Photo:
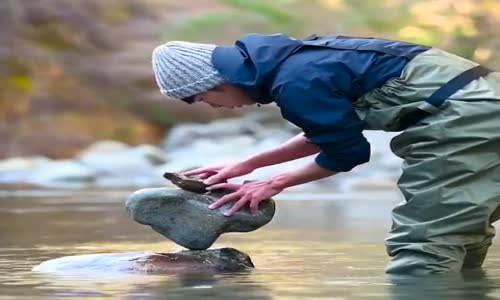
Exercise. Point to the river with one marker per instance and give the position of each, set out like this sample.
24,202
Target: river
317,247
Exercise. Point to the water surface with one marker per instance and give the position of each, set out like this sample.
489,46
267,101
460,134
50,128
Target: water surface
328,248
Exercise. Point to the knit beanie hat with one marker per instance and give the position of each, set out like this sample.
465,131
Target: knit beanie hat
184,69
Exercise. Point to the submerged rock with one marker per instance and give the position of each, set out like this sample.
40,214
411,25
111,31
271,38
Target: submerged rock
185,261
184,217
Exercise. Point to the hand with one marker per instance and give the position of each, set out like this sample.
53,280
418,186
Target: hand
252,192
205,172
221,173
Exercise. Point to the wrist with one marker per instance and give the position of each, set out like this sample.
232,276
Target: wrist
250,163
280,182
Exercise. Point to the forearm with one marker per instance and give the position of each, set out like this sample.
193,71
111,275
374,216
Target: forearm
307,173
294,148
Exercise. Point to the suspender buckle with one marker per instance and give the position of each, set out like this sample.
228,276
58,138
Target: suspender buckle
434,103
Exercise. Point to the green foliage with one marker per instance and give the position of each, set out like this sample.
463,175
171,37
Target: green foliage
206,25
66,46
362,13
244,16
18,74
53,35
263,8
16,65
116,13
122,134
120,102
463,27
161,117
20,82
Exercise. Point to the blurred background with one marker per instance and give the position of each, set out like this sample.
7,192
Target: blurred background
82,124
78,102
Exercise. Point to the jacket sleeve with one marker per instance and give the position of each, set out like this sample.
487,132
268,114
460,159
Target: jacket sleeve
328,120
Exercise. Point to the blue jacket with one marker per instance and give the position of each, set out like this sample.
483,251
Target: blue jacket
314,82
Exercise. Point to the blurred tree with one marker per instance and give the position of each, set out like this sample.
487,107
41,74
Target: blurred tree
466,27
72,72
56,80
237,17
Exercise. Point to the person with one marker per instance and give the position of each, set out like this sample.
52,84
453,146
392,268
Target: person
334,87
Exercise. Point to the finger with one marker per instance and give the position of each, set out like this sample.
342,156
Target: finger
254,206
224,200
195,171
230,186
205,175
237,206
214,179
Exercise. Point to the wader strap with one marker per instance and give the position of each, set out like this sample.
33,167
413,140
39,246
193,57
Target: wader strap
433,103
329,42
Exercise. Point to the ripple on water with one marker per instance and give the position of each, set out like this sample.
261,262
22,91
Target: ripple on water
312,249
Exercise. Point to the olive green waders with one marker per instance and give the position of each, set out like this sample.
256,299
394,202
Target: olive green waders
451,168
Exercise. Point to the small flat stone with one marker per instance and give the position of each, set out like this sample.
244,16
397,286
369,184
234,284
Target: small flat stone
184,217
186,183
186,261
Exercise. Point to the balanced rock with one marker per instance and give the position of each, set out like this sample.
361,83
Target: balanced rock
184,217
186,183
185,261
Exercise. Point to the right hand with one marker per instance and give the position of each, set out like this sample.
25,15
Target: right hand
222,172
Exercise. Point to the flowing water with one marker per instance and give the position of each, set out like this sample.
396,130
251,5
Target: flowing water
327,248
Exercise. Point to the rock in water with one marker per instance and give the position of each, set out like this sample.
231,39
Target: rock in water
185,261
184,217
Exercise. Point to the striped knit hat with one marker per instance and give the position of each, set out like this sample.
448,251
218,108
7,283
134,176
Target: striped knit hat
184,69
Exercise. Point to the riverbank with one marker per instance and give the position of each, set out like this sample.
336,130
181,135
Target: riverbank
115,165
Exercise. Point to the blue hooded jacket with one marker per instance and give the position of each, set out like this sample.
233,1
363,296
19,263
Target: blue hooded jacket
314,82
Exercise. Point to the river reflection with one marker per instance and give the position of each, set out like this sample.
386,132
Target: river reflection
475,284
328,249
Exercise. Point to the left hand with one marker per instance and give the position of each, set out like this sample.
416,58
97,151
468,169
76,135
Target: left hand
253,192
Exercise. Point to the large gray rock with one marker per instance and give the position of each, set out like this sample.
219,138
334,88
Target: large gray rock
184,217
185,261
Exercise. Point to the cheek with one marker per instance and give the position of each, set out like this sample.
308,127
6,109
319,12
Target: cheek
241,98
219,98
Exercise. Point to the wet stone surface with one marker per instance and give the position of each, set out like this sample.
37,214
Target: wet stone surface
184,217
186,183
217,260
